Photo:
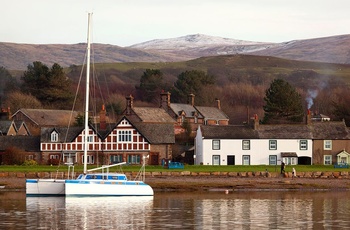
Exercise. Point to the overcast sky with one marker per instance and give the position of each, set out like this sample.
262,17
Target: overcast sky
127,22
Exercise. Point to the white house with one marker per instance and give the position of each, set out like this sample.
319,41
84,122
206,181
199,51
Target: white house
244,145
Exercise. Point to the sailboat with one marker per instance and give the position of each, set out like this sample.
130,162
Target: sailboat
91,184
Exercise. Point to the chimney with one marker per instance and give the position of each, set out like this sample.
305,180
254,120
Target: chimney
256,122
218,103
191,99
9,112
103,125
308,117
165,100
129,104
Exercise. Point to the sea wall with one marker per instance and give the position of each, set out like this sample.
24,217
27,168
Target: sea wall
64,175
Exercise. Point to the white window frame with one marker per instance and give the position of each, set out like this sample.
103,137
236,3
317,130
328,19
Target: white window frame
245,144
327,159
124,135
90,159
90,138
216,145
54,136
303,144
327,144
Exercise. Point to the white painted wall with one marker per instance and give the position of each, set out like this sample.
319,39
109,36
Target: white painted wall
259,150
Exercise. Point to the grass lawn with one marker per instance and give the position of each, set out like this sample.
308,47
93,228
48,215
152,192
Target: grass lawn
191,168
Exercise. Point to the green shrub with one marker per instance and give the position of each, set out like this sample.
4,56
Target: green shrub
30,163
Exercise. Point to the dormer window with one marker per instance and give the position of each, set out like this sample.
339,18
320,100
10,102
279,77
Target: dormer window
54,136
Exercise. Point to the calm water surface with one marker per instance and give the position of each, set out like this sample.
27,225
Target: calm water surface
211,210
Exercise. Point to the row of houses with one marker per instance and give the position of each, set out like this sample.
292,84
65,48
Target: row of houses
323,143
152,132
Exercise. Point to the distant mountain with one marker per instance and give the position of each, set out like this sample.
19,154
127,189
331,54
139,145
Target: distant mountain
333,49
15,56
199,45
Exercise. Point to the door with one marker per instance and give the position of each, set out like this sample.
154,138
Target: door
154,158
230,160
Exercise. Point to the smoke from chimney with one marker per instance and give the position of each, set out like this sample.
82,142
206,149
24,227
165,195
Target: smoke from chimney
311,95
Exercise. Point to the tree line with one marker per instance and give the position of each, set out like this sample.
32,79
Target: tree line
276,101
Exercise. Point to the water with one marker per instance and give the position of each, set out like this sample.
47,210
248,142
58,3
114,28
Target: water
211,210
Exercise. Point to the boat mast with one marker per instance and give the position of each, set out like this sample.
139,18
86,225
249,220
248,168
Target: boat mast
86,132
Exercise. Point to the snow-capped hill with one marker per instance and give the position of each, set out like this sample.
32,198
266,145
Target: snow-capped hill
192,41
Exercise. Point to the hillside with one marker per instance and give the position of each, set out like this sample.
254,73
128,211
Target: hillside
333,49
18,56
330,50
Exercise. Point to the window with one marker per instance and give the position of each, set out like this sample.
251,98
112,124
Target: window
116,159
54,156
54,136
245,144
29,157
69,157
273,145
303,144
290,160
272,160
246,160
90,159
327,159
90,138
124,136
216,160
327,145
134,159
216,144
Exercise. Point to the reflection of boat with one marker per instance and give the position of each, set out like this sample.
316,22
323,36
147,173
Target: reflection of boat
99,184
88,212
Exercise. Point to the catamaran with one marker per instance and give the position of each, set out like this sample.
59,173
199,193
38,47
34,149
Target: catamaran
91,184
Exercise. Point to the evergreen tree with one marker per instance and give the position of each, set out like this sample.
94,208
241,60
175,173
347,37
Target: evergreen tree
49,85
151,84
283,103
193,81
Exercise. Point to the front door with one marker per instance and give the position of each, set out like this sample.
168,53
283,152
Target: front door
154,158
230,160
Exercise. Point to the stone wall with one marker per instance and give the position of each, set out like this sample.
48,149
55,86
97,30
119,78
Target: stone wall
64,175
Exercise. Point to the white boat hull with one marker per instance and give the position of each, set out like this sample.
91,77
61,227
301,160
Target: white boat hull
107,188
45,187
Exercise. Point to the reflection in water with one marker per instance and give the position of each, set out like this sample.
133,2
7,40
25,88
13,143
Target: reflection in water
237,210
88,212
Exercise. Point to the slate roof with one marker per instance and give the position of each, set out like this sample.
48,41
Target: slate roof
149,114
330,130
73,132
4,127
228,132
27,143
187,108
47,117
317,130
284,131
212,113
157,133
